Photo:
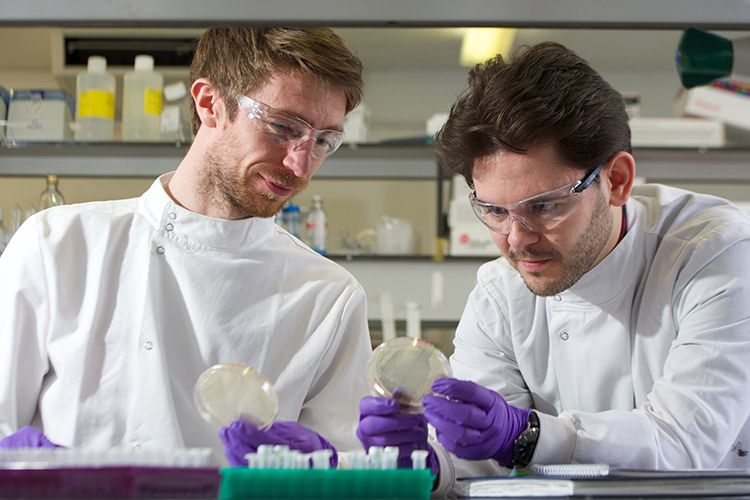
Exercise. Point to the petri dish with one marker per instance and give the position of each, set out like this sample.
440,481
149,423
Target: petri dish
404,368
228,392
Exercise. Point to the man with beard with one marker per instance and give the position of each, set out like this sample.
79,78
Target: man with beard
111,311
616,327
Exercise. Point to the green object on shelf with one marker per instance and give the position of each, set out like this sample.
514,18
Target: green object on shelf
241,483
703,57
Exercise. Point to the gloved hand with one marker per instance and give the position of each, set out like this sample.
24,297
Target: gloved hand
381,424
241,438
27,437
475,423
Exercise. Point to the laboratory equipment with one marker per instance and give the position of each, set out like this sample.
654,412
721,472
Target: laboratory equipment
142,102
703,57
228,392
95,102
51,196
175,117
404,368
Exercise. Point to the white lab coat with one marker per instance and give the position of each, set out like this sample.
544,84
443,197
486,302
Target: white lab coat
645,362
110,311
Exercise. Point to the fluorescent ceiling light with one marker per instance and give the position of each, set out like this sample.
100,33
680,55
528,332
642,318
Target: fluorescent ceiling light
480,44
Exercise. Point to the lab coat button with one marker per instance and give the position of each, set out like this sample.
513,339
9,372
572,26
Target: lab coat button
160,250
558,298
148,346
172,215
169,227
564,336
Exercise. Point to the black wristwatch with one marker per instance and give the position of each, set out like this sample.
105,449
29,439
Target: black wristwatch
525,443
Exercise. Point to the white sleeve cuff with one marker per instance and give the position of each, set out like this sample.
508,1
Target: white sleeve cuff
557,440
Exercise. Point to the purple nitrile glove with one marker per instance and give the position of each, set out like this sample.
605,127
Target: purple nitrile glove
27,437
381,424
475,423
241,438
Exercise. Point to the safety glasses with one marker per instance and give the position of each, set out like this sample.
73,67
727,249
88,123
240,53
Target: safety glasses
282,129
540,212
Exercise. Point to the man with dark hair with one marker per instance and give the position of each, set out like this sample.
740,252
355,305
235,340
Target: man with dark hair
616,327
112,310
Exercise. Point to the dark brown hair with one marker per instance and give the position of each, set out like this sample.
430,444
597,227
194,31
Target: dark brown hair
545,94
240,60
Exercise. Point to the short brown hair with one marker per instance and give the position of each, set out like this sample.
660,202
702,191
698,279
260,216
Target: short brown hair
240,60
545,95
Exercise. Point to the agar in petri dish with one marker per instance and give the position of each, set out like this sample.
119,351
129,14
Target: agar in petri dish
228,392
404,368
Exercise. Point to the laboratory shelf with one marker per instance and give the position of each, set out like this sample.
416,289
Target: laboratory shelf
412,161
368,161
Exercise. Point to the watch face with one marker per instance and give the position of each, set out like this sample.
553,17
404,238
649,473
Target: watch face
525,443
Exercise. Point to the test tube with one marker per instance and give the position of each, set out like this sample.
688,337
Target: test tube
265,456
322,459
390,457
419,459
358,460
375,457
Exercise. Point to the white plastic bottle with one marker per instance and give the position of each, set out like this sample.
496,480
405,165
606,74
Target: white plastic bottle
95,102
317,226
142,101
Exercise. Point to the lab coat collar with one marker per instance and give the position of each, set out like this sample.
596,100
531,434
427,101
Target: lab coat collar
191,228
613,275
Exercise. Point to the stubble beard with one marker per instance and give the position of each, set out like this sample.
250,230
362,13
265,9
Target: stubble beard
582,255
231,188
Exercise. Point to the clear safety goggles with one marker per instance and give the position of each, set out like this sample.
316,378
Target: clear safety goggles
540,212
281,128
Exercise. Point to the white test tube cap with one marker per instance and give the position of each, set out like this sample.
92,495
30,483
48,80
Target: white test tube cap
419,459
390,458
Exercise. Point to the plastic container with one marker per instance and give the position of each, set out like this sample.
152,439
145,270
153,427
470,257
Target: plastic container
95,103
142,102
175,117
228,392
317,226
51,196
404,369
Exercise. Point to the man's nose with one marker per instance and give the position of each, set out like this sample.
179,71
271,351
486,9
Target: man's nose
299,157
519,233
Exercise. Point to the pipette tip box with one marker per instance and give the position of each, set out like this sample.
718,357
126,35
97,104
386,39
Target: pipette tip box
242,483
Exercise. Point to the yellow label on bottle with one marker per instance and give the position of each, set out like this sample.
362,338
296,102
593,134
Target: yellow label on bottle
96,104
152,101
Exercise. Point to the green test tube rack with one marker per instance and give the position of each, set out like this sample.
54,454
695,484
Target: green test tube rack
242,483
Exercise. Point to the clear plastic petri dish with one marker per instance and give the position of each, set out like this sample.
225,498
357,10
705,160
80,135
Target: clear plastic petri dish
228,392
404,368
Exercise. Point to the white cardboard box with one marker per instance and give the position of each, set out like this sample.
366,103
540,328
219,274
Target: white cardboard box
468,236
40,116
732,108
677,132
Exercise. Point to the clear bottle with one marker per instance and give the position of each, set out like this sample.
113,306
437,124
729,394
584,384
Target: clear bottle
142,101
51,196
317,226
175,117
95,102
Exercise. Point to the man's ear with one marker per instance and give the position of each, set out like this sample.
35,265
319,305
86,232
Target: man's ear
620,174
208,102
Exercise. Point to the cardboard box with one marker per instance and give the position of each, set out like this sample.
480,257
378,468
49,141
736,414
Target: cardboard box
717,101
677,133
40,116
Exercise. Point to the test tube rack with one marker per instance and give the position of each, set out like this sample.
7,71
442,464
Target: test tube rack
242,483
